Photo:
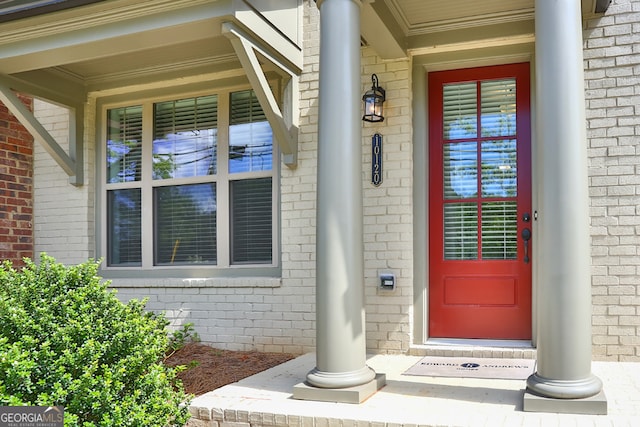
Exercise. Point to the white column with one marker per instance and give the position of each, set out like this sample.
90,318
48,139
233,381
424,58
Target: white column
340,324
564,281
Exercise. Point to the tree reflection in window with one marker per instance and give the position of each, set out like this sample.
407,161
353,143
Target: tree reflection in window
185,138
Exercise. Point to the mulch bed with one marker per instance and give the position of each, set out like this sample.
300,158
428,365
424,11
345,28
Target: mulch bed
209,368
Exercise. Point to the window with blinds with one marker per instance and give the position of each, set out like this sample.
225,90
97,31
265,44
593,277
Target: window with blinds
480,170
176,176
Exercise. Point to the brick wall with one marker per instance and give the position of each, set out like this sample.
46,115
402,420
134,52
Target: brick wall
388,208
16,188
63,213
612,81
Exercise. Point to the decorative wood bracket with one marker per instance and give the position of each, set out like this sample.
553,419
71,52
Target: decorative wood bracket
71,163
284,125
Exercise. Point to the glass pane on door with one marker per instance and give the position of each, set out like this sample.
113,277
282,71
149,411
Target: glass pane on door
479,170
460,110
498,177
460,231
499,230
460,170
498,99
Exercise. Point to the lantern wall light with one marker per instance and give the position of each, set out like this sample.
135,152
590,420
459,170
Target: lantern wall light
373,99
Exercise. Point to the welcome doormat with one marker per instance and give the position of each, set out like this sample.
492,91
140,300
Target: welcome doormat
471,367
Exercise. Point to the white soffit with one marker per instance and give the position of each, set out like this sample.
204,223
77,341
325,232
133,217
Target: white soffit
425,16
398,28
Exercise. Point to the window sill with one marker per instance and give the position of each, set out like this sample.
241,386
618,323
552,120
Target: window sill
212,282
236,277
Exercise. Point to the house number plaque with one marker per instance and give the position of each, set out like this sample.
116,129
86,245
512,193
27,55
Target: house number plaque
376,159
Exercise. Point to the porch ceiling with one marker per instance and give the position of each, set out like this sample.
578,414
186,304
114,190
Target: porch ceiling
418,16
399,28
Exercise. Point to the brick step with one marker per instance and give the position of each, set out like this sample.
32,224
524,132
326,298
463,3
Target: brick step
475,348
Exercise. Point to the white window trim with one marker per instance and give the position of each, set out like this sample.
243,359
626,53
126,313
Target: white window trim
223,268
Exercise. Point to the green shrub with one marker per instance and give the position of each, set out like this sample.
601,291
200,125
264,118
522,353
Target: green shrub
182,336
65,339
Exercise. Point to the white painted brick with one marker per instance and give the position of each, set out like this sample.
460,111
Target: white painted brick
617,227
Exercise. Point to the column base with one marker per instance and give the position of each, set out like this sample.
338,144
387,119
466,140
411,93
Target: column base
355,394
323,379
564,389
594,405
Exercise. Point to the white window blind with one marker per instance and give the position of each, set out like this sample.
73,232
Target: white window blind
460,231
498,99
460,110
499,230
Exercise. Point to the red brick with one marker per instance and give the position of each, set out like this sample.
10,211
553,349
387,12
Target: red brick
16,187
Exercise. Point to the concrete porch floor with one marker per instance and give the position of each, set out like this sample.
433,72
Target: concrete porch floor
265,400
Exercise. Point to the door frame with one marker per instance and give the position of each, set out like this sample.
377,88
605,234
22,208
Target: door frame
480,269
422,65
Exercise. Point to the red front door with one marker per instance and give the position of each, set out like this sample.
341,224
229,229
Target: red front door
480,203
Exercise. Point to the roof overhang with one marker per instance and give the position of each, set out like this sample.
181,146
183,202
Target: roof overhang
12,10
115,48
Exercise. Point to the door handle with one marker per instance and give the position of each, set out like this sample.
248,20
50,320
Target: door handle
526,235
